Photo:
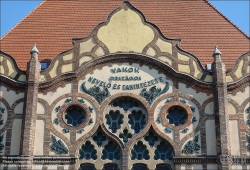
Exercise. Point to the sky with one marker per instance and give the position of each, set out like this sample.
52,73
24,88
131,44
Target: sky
13,11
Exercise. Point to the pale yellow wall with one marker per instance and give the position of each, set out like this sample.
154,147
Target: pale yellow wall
10,96
39,137
53,71
240,97
84,59
22,78
68,57
51,96
208,78
164,46
1,69
67,68
234,137
183,57
125,32
238,72
231,109
165,59
151,52
229,79
99,51
211,137
87,45
19,108
197,72
12,70
184,68
16,137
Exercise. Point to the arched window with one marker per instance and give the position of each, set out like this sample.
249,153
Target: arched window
139,167
87,167
110,167
163,167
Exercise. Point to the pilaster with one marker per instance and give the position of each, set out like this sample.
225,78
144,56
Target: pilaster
30,108
221,111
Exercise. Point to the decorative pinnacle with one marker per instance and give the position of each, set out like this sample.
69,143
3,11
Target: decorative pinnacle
216,51
34,50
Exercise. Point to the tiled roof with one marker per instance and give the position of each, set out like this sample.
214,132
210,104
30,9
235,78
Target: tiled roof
54,23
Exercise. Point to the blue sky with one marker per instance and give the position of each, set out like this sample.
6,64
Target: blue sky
13,11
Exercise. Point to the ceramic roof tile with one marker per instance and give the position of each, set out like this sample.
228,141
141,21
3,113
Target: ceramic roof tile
54,23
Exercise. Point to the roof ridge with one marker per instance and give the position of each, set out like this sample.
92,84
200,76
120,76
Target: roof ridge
227,19
22,20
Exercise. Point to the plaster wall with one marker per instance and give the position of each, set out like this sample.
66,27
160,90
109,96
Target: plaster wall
234,137
51,96
19,108
211,137
39,137
240,97
16,137
10,96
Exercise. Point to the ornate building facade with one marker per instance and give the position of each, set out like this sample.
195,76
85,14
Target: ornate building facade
125,97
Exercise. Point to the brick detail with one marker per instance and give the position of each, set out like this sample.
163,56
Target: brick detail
30,108
221,110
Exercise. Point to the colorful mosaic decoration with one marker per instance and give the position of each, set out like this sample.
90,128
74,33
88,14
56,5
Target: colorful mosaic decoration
68,100
192,147
151,139
56,121
65,130
111,151
194,119
2,110
163,152
248,110
114,120
1,144
158,120
57,146
80,131
58,108
96,92
99,138
168,101
192,108
153,93
125,104
168,130
140,152
184,130
137,120
183,101
87,151
81,100
1,122
90,109
125,135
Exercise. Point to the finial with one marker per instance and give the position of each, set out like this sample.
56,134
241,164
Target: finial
216,51
34,50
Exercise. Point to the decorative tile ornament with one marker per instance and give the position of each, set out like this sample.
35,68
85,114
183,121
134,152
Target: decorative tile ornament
140,152
1,122
183,101
153,93
68,100
163,152
90,109
248,141
65,130
248,110
151,138
80,131
57,146
125,135
194,119
168,130
158,120
1,144
90,121
2,110
192,146
168,101
111,151
99,138
96,92
192,108
87,151
125,104
58,108
56,121
184,130
81,100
